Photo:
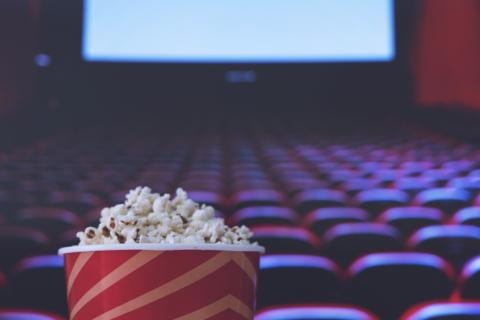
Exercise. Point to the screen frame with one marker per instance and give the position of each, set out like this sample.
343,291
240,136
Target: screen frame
244,61
113,86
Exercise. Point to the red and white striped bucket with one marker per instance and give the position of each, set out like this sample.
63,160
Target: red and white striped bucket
159,281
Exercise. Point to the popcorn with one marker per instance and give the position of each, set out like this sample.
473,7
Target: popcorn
147,217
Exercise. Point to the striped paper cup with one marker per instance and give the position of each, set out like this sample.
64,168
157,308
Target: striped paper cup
161,281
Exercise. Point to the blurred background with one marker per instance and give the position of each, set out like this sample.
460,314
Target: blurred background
344,133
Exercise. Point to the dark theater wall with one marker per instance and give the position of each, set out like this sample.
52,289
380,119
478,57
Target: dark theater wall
447,54
17,49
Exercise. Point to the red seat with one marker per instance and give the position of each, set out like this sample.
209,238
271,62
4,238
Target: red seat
264,215
315,312
347,241
444,311
285,279
388,283
321,220
285,239
409,219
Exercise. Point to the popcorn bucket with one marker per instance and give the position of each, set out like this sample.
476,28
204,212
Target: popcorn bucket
161,281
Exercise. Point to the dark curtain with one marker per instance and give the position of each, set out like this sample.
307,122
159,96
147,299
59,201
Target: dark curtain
17,50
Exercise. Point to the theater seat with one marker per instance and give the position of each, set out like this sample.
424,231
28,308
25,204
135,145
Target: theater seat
309,200
286,279
3,293
258,197
210,198
444,311
347,241
11,202
39,283
321,220
456,243
18,242
377,200
471,184
315,312
354,186
20,314
440,176
264,215
78,202
413,185
468,216
416,167
409,219
52,221
388,283
285,239
470,279
448,200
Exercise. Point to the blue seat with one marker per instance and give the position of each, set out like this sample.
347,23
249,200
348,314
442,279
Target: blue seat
19,242
321,220
444,311
440,176
315,312
281,239
256,197
470,279
346,242
456,243
413,185
309,200
416,167
354,186
19,314
286,279
449,200
210,198
264,215
78,202
388,283
52,221
376,201
409,219
468,216
39,283
471,184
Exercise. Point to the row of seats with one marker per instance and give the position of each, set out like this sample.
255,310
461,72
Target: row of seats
385,283
433,311
320,196
304,200
430,311
342,233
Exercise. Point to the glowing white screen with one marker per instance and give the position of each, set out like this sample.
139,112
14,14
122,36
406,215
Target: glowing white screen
238,31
